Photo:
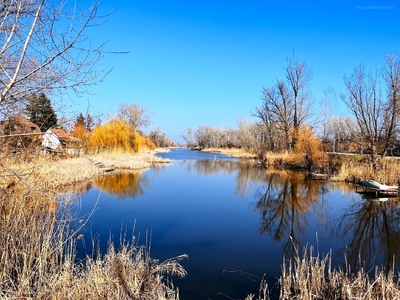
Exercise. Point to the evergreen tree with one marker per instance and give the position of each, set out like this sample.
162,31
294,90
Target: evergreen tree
41,112
80,121
90,124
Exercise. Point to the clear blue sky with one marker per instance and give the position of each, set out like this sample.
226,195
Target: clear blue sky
204,62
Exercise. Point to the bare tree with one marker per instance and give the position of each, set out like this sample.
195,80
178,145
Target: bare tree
298,76
376,113
340,130
278,108
364,101
188,136
392,108
44,49
158,137
135,114
327,105
286,105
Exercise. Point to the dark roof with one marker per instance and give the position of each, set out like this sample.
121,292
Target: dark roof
61,134
20,124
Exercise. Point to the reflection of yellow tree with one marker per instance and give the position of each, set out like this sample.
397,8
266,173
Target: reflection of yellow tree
283,205
122,185
374,228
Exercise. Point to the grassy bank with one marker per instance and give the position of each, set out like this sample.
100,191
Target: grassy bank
38,240
339,167
234,152
54,172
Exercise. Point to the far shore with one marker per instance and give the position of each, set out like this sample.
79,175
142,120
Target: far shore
234,152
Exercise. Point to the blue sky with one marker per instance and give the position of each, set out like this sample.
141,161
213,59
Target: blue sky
201,62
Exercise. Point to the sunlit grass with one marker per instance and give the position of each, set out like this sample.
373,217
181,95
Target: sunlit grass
38,242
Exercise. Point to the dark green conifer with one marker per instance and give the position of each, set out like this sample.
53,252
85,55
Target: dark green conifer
40,111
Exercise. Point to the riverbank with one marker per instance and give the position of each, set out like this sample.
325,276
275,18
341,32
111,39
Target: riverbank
340,167
234,152
54,172
38,237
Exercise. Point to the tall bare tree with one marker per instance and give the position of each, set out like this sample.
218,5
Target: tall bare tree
44,49
278,108
376,113
298,76
287,103
392,109
365,102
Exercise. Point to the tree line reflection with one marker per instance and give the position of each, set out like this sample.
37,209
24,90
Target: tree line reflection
288,203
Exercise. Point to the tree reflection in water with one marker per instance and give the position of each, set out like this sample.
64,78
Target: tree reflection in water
374,228
371,228
123,185
284,203
288,204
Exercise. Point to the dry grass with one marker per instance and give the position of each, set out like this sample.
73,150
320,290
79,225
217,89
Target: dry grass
355,170
38,255
38,261
38,243
340,167
54,172
311,277
234,152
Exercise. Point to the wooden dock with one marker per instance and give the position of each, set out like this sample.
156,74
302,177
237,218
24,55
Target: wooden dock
101,166
390,192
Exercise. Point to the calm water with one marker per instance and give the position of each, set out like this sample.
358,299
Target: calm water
237,221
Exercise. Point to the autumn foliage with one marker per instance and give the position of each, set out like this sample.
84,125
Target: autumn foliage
118,134
309,147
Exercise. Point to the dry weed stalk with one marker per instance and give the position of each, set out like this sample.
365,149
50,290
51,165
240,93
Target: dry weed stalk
38,259
311,277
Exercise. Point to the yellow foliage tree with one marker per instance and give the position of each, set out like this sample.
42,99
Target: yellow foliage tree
82,134
310,146
118,134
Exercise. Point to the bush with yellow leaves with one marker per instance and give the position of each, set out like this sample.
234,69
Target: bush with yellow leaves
118,134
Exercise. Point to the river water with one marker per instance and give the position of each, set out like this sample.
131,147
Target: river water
236,221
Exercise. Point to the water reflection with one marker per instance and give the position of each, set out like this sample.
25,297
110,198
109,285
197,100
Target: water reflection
288,201
375,232
233,214
123,185
284,203
246,172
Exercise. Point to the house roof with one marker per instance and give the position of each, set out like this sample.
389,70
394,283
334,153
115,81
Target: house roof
61,134
20,124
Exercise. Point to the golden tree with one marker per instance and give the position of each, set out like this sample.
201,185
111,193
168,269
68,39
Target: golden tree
309,146
118,134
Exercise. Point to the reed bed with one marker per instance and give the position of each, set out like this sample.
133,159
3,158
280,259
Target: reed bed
38,236
353,170
234,152
312,277
54,172
38,259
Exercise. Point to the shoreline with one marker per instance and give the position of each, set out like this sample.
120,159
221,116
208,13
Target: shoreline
237,153
58,173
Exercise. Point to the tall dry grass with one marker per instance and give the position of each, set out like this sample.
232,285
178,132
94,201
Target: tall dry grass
38,237
355,170
38,259
312,277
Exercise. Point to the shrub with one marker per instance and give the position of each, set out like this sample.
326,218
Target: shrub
310,146
118,134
